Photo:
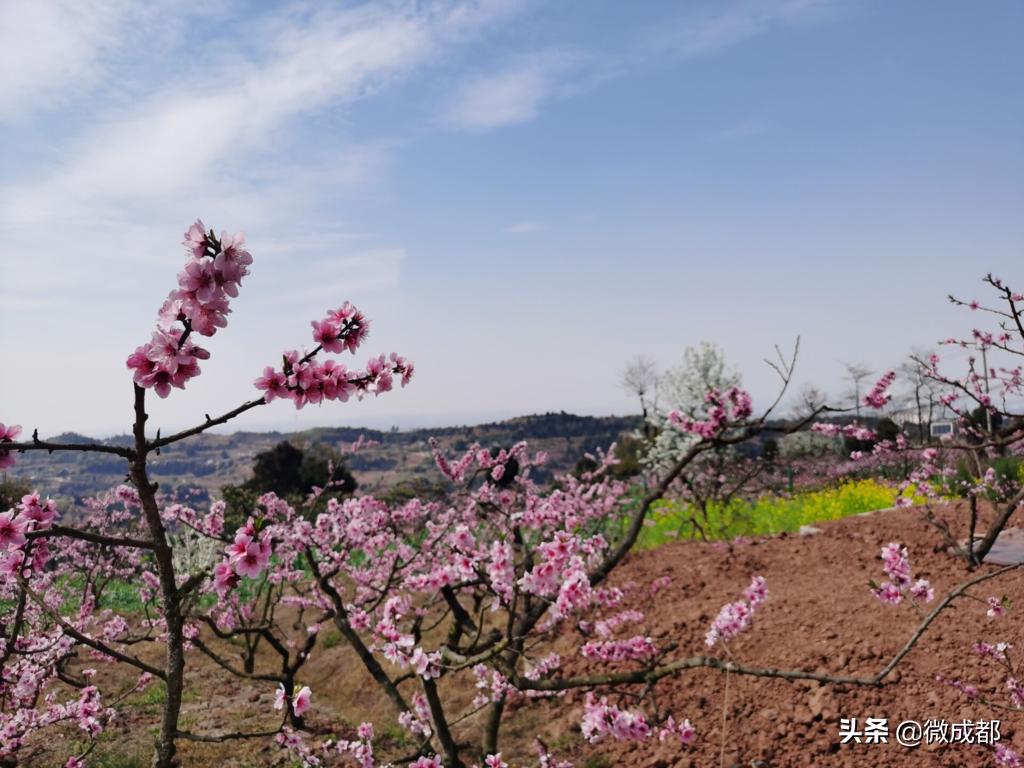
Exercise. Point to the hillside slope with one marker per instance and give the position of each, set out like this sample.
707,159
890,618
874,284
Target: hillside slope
210,461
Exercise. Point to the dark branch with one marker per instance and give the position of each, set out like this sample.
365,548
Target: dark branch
95,538
42,445
199,429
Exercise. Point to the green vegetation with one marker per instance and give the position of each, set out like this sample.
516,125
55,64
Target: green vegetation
1009,472
628,452
291,473
331,638
118,759
113,752
152,697
395,734
204,465
765,516
122,597
11,491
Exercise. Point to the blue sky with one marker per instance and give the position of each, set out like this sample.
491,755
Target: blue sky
521,195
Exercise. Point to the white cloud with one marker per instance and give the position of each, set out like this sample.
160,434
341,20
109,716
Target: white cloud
333,279
47,46
54,52
208,141
99,222
517,92
524,228
174,142
699,33
511,95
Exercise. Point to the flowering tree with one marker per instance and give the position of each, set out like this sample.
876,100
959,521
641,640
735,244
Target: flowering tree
39,554
1005,695
680,390
495,573
985,399
502,565
477,589
971,461
469,592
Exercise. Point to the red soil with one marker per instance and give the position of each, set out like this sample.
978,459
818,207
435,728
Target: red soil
820,616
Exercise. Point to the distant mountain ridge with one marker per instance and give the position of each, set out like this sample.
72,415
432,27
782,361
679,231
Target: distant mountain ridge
209,461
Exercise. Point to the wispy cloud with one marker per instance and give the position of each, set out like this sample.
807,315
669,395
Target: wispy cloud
518,91
128,119
360,272
47,46
223,137
510,95
192,131
696,31
53,52
524,228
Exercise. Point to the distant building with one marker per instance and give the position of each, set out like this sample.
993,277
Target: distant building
941,423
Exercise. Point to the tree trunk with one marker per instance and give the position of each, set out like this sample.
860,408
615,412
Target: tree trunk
164,755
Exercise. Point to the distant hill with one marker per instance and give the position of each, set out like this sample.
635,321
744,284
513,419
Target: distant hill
207,462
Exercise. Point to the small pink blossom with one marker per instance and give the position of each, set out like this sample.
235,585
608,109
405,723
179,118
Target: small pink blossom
195,239
274,384
12,530
224,578
896,563
888,593
879,395
300,704
921,591
602,719
8,435
757,592
247,554
1007,757
326,334
683,731
996,608
734,618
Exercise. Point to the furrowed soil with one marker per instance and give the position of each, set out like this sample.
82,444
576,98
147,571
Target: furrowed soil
819,616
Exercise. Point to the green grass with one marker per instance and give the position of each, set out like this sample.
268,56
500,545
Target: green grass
154,695
396,734
122,597
766,516
103,759
331,638
110,752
